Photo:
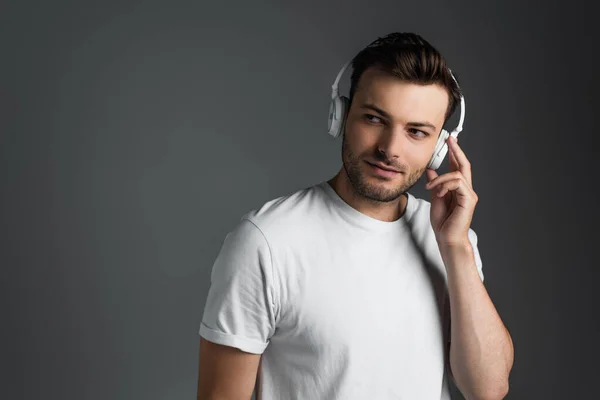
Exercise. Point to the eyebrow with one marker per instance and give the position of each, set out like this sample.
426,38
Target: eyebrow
418,124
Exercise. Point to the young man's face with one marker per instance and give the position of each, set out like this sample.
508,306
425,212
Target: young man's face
402,140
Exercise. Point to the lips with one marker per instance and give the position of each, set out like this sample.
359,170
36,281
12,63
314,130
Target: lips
384,167
382,171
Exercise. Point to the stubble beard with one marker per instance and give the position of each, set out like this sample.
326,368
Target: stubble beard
361,184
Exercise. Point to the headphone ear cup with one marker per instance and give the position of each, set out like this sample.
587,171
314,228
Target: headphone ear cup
338,108
334,112
441,148
345,108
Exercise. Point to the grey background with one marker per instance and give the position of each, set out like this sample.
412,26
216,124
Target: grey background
135,134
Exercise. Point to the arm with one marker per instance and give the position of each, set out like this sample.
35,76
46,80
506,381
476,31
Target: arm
239,316
225,373
481,349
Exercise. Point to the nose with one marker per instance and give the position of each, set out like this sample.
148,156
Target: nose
389,143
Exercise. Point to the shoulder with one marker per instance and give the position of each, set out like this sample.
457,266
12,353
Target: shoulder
284,213
421,228
420,218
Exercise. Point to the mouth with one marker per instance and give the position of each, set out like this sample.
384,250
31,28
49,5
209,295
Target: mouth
381,171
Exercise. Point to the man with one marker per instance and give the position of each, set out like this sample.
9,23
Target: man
344,290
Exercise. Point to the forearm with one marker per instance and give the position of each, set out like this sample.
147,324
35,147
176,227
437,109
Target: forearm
481,350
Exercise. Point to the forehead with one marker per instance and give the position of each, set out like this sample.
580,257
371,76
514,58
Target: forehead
405,101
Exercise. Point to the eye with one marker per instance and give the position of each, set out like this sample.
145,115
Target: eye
369,118
413,130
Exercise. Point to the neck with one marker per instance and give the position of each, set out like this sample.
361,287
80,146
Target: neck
388,211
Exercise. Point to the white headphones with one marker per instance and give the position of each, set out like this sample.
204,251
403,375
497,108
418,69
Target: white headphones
338,110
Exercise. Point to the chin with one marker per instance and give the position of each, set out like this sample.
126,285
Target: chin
379,189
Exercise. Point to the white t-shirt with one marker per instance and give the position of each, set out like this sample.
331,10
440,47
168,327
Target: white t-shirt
339,304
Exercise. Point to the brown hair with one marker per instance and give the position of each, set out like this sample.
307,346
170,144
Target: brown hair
410,58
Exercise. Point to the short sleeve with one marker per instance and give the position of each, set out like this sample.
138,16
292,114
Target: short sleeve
241,304
473,239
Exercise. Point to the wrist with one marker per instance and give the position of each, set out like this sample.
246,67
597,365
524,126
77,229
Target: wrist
458,244
455,249
456,253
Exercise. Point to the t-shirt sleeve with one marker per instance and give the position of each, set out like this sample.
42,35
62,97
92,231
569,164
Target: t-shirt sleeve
241,304
473,239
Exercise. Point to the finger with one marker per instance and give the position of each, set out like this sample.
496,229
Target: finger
463,163
444,178
430,174
453,162
453,185
448,186
458,186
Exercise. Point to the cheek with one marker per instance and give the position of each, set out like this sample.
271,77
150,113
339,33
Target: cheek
417,157
359,140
